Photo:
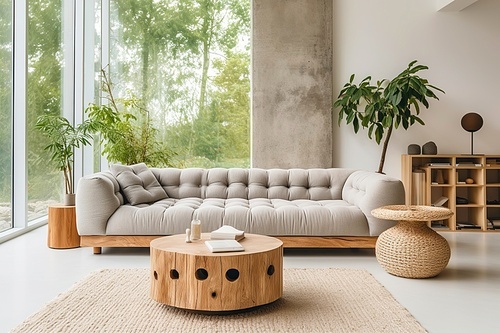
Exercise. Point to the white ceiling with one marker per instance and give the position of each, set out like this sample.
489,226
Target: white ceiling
453,5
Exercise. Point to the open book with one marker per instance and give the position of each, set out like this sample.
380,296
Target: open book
223,245
227,232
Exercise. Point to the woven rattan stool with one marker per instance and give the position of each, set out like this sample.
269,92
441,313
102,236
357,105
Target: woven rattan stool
411,249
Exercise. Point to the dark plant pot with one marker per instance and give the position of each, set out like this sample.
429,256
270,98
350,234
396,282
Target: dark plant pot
429,148
69,199
413,149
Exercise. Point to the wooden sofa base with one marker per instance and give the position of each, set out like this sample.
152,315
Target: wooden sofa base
310,242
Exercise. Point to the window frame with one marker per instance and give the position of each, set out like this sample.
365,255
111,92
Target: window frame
74,30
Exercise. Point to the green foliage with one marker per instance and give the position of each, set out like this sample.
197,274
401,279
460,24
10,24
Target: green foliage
44,94
5,99
220,133
126,130
232,102
175,55
64,138
387,105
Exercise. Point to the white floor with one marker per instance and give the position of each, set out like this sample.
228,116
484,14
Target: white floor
464,298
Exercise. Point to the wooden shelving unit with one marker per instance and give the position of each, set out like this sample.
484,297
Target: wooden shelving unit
471,183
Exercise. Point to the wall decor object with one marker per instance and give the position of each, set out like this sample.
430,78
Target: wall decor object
413,149
472,122
429,148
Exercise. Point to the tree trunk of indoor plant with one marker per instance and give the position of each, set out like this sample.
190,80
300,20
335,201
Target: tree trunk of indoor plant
384,150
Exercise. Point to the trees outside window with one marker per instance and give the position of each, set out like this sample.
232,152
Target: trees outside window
188,62
5,114
44,95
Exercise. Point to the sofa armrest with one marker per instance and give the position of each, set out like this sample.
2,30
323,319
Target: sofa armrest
97,198
370,190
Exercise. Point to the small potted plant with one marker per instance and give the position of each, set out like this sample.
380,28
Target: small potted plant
64,138
387,105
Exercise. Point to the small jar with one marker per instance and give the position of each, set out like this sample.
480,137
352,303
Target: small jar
195,229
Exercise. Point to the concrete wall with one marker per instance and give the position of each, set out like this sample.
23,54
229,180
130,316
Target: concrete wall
462,50
292,83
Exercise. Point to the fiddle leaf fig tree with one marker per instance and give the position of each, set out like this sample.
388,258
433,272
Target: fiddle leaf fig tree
386,105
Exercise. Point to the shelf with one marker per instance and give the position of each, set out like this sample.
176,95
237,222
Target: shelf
434,167
447,178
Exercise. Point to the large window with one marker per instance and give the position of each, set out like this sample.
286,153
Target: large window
188,63
185,62
5,114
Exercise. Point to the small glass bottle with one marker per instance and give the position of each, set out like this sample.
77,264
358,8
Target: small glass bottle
195,229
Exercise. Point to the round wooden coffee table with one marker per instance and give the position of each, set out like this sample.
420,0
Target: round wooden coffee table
411,249
189,276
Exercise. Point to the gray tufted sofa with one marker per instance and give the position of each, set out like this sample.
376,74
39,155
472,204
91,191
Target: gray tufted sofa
303,207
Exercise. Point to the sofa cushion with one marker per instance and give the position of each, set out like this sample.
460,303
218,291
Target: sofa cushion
138,183
276,217
292,184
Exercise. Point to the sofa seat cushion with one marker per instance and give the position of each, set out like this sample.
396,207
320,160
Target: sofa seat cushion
277,217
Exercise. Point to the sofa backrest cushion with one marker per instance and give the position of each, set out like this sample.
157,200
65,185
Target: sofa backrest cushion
287,184
138,183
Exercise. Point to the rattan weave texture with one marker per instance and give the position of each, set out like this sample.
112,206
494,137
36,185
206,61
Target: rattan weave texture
411,249
412,213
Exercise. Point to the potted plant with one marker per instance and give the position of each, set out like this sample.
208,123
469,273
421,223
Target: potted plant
64,138
387,105
126,130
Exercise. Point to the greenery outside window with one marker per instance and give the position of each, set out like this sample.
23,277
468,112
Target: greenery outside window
44,95
6,70
188,64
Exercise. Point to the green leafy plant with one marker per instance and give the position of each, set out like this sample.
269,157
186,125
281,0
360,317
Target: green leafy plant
126,130
387,105
64,138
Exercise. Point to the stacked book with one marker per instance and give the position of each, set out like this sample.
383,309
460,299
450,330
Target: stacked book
225,239
467,225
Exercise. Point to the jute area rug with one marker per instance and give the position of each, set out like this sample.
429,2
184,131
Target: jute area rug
314,300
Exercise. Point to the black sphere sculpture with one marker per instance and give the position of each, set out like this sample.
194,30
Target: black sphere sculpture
472,122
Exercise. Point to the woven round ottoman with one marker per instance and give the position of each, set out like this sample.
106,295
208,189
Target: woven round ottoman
411,249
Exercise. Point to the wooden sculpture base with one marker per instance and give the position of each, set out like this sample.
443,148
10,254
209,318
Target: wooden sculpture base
189,276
